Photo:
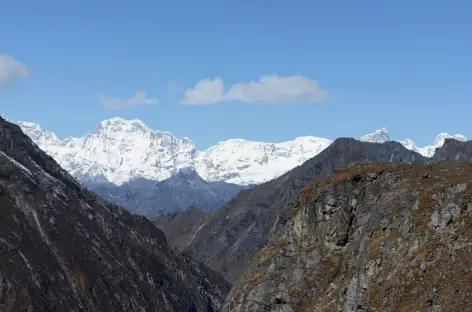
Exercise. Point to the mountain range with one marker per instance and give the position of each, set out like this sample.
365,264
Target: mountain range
239,229
119,151
235,233
361,226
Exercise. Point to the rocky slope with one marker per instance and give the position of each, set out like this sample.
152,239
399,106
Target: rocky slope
151,198
233,236
371,238
65,249
182,227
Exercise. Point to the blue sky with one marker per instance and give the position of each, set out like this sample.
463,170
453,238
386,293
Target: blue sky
331,68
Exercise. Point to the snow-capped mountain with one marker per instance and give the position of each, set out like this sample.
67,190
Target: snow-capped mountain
119,151
381,136
428,151
244,162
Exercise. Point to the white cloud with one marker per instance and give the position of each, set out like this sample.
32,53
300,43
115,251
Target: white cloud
274,89
11,69
115,103
271,89
205,92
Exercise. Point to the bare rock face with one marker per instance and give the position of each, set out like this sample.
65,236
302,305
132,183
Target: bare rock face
370,238
63,248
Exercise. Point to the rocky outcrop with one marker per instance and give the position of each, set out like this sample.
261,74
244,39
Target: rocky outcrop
65,249
240,229
370,238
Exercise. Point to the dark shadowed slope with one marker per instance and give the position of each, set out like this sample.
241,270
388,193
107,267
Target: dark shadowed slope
229,241
65,249
182,227
373,238
152,198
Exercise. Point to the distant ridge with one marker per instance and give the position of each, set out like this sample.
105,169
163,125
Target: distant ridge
120,150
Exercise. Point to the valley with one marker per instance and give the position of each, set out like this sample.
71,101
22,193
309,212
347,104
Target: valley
235,156
286,245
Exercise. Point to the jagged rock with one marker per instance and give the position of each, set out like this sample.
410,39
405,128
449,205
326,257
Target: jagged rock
392,257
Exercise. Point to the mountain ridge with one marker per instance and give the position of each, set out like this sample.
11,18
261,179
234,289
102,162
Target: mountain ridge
120,150
239,229
152,198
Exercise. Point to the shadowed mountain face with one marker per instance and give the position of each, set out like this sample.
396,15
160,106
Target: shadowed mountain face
454,151
65,249
182,227
380,237
151,198
229,241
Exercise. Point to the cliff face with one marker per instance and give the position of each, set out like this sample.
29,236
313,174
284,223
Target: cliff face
63,248
371,238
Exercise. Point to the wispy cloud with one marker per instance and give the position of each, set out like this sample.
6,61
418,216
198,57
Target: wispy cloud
270,89
116,103
172,86
206,91
11,69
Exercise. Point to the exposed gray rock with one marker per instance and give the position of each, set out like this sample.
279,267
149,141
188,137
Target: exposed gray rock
454,151
380,255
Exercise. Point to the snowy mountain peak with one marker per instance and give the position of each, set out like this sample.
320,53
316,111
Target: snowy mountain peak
428,151
409,144
38,135
443,136
121,150
247,162
117,151
118,125
379,136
